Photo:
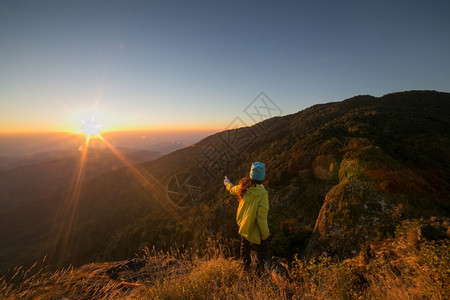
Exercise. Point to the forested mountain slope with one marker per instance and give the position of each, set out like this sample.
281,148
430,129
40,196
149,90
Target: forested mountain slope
338,175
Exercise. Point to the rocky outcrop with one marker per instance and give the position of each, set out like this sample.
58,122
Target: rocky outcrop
355,211
428,232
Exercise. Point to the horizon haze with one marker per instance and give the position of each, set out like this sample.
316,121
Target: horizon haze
173,65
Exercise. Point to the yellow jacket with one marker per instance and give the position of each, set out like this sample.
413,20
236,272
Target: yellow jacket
252,212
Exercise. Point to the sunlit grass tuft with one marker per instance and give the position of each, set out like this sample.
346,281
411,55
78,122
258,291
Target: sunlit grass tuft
221,278
398,268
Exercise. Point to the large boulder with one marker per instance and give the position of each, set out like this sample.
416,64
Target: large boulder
354,212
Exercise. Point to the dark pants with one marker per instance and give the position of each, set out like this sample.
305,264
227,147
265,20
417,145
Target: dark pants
261,254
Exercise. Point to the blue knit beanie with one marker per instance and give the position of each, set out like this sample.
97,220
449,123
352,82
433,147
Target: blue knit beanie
258,171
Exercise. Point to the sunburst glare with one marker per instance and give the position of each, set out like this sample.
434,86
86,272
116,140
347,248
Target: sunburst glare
91,128
152,186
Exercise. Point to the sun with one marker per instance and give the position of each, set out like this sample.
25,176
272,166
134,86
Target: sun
91,128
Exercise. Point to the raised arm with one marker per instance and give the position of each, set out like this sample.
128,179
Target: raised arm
233,189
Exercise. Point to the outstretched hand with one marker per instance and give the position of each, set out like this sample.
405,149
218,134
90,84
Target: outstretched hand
226,181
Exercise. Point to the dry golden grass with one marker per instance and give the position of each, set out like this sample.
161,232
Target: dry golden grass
93,281
397,268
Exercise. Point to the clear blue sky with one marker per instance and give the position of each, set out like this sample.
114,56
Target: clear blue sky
186,64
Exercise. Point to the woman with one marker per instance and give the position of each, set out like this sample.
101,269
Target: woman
252,215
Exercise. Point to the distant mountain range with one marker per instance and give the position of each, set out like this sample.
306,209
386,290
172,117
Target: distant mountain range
11,162
14,146
338,174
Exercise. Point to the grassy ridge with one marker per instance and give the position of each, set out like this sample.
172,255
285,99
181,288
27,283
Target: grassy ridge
399,268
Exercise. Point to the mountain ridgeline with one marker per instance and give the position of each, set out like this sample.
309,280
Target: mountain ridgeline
339,175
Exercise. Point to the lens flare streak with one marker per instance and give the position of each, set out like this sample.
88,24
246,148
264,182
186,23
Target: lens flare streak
71,202
69,208
147,181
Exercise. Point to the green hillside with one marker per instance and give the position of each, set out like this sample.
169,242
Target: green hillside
339,175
